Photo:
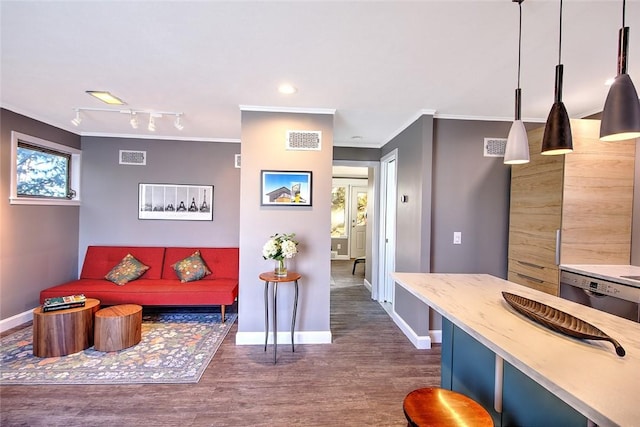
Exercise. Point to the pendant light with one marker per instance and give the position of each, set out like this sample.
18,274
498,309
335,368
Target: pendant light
517,149
557,132
621,113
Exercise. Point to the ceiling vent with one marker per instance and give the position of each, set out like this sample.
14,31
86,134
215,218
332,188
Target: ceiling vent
137,158
304,140
494,147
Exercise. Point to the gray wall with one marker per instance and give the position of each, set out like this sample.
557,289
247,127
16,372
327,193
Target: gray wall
38,244
471,195
263,137
413,219
109,215
441,166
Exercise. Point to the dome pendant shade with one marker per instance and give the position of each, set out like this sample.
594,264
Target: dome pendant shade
517,150
621,113
557,133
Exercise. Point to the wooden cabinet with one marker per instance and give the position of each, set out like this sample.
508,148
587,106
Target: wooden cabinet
570,209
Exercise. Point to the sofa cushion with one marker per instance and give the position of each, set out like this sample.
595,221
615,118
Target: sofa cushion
99,260
191,268
128,269
224,263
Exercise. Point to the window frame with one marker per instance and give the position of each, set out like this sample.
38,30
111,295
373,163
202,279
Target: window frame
74,171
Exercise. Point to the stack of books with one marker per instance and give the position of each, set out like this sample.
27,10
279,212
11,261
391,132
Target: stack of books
61,303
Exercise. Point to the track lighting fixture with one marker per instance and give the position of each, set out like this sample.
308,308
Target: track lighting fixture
77,119
152,123
517,149
134,120
621,112
178,122
557,132
134,117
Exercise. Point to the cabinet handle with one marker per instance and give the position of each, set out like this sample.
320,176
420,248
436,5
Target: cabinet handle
558,238
533,279
530,264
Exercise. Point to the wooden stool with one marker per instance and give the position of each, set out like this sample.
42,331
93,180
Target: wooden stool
356,262
433,406
118,327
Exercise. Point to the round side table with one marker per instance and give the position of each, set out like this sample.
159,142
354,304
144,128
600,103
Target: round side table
117,327
62,332
270,277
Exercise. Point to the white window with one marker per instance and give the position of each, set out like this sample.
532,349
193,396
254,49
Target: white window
43,172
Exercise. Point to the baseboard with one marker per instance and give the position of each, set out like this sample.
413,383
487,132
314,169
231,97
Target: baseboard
17,320
419,341
300,337
436,336
367,285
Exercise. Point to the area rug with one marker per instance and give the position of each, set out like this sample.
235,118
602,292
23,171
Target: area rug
175,348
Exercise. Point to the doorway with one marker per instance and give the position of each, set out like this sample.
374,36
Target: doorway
349,217
387,242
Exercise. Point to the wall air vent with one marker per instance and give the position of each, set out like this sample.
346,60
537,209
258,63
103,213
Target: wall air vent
304,140
137,158
494,147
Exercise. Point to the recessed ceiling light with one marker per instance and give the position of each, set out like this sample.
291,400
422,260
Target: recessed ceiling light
287,89
106,97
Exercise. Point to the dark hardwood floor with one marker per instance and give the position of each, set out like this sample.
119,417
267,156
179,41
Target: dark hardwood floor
360,379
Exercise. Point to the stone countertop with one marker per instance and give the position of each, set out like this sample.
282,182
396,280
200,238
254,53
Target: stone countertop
586,374
607,272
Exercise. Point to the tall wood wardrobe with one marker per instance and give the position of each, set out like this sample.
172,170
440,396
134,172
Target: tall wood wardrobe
570,209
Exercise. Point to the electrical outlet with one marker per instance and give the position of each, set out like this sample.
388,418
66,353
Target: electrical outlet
457,237
339,246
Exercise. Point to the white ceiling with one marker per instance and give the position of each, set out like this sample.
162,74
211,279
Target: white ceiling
378,64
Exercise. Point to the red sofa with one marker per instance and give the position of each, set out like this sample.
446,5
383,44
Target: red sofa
159,285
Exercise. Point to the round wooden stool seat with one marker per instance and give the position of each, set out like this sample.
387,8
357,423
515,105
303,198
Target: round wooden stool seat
117,327
433,406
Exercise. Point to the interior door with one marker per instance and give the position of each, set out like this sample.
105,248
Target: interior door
358,216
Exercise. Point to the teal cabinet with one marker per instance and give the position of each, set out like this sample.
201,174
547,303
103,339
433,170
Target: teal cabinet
469,367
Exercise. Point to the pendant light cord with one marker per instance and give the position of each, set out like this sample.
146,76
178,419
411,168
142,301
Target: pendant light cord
623,10
560,39
519,41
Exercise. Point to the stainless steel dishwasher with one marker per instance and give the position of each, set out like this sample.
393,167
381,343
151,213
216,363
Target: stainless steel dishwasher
607,295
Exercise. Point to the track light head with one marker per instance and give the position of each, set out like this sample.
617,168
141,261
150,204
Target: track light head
178,122
134,120
77,119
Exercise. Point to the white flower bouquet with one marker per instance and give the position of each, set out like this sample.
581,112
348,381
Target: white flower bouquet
280,247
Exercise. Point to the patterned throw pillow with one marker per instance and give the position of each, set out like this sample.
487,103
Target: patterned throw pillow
127,270
191,268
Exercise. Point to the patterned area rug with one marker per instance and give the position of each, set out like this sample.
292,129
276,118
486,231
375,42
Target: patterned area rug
175,348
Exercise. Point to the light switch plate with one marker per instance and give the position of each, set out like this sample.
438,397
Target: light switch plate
457,237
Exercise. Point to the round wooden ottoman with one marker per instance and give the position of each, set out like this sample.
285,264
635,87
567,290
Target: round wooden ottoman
62,332
433,406
117,327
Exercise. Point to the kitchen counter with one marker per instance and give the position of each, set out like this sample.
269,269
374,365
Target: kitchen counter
607,272
587,375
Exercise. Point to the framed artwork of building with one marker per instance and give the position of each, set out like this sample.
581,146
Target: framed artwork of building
285,188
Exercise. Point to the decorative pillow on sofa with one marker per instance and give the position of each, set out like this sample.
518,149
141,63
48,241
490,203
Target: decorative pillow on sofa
191,268
127,270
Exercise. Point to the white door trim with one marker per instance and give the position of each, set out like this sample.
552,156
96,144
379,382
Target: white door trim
382,292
